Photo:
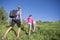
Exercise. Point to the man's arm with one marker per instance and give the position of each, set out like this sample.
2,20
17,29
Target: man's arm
21,16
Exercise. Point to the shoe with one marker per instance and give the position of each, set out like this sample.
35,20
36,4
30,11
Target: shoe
17,36
3,38
29,34
33,31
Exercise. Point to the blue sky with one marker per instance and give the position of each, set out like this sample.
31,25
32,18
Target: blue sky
44,10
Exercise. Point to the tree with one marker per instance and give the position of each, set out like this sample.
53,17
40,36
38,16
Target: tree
58,20
39,22
3,15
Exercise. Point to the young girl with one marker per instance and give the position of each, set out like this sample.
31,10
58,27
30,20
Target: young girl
30,23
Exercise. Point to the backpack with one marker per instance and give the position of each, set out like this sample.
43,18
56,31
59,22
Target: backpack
13,13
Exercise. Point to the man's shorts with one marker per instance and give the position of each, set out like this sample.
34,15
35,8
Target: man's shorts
17,22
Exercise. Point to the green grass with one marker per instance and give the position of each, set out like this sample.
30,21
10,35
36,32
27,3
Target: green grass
44,31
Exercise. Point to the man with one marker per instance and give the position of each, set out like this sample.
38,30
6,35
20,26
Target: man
18,20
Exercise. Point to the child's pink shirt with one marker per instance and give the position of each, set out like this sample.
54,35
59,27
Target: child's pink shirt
30,20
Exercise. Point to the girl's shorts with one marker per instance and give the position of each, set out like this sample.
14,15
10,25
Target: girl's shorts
29,25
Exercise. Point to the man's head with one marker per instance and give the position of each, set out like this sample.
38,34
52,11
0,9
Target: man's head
19,7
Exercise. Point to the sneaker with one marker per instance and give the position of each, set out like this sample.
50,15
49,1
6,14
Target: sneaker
17,36
29,34
3,38
33,31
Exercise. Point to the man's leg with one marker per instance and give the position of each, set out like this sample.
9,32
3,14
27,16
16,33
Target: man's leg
6,32
18,32
12,24
19,27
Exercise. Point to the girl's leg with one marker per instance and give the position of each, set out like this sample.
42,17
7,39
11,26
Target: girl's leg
29,29
34,28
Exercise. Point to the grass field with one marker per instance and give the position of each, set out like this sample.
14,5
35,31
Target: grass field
44,31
